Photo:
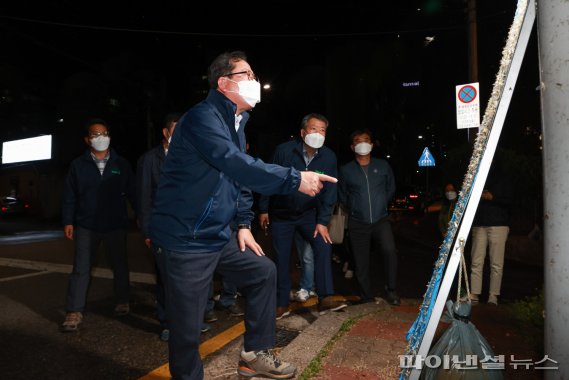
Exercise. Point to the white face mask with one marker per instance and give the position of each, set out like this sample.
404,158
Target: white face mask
451,195
100,143
314,140
250,91
363,148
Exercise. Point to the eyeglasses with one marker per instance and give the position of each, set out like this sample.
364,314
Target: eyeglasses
95,135
250,74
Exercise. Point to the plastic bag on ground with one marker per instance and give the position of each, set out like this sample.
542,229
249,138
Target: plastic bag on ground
468,347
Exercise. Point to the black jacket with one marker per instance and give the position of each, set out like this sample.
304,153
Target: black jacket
147,175
366,196
95,201
497,211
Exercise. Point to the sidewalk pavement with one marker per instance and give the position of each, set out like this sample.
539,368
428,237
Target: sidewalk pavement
365,341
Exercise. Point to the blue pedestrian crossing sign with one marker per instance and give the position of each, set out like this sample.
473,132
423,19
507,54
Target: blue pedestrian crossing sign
427,158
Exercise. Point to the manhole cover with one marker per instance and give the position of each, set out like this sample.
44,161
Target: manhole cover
284,337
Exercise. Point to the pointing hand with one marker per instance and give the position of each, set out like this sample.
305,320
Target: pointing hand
311,182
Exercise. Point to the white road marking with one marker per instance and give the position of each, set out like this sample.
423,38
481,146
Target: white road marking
6,279
144,278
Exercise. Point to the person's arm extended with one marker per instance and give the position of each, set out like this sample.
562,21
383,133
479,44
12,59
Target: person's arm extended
209,137
217,148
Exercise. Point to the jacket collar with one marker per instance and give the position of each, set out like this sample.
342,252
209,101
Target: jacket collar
225,106
299,145
112,154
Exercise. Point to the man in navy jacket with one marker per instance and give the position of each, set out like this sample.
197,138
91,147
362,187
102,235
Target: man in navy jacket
95,210
206,183
309,216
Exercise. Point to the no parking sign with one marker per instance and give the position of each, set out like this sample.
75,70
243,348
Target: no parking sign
467,106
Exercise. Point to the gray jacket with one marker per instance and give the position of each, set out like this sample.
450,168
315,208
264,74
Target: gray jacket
366,196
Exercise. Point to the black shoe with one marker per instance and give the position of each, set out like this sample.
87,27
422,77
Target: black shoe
210,316
234,310
363,300
392,297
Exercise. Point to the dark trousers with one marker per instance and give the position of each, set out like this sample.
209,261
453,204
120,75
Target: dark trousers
187,279
87,243
283,237
361,238
227,297
346,251
160,299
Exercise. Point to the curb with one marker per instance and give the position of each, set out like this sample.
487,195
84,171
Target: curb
302,349
312,340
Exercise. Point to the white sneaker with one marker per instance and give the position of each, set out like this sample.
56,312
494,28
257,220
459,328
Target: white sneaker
349,274
345,267
312,294
302,295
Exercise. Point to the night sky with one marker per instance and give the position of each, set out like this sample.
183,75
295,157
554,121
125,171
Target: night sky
65,61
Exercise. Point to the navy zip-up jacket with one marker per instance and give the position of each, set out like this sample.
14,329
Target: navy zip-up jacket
366,196
293,206
207,178
94,201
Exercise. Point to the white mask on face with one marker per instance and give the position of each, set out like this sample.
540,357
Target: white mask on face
100,143
250,91
314,140
363,148
451,195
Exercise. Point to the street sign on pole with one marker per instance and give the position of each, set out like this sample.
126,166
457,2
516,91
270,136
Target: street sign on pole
426,158
467,106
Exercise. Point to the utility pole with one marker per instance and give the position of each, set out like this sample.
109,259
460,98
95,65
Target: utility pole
553,35
472,55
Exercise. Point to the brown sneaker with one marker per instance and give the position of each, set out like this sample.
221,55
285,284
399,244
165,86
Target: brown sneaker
122,309
330,304
282,311
72,321
264,363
